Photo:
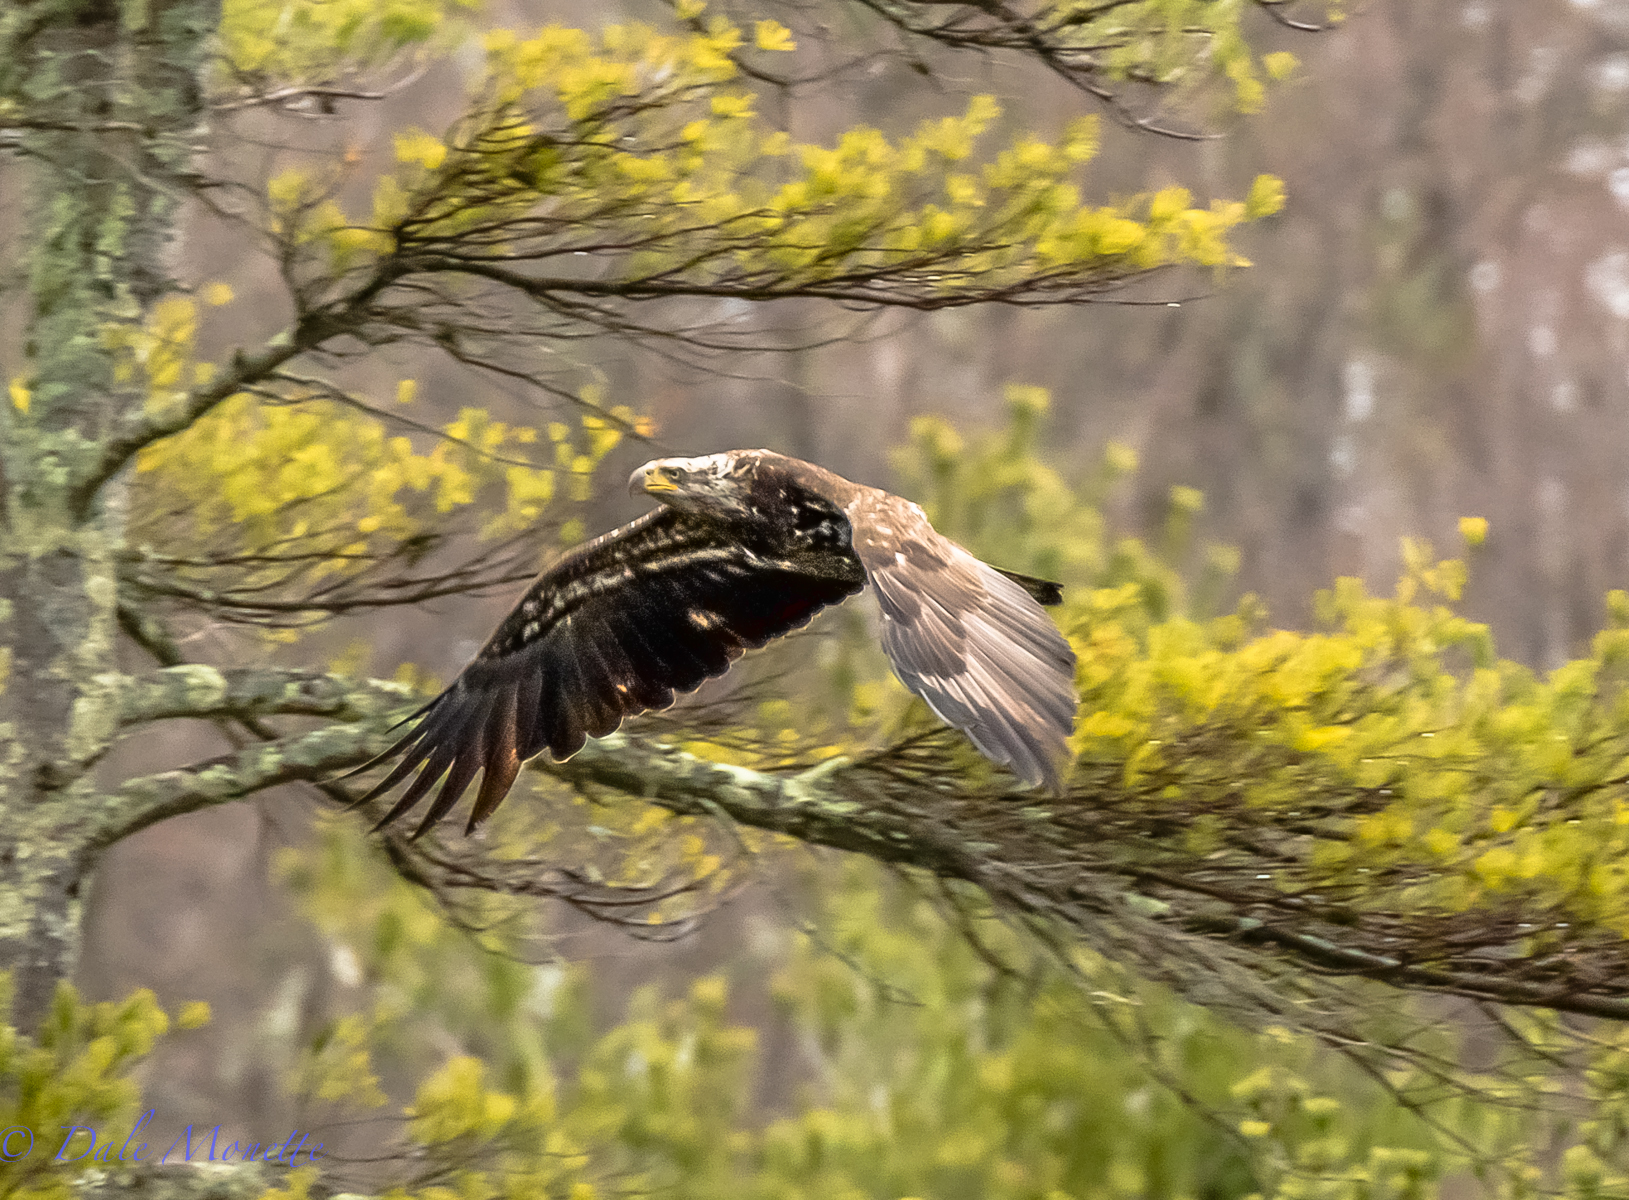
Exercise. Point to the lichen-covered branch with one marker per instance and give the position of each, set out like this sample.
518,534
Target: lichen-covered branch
1101,866
1080,864
239,1181
365,712
307,757
97,212
1074,864
209,693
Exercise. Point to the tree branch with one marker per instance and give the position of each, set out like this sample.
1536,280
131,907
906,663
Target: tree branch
1086,864
323,94
184,1181
890,287
1077,44
310,757
1149,917
141,427
209,693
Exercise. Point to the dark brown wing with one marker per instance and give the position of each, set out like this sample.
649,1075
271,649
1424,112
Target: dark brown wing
970,640
615,628
1043,591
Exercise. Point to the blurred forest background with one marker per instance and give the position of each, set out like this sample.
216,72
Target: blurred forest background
1436,326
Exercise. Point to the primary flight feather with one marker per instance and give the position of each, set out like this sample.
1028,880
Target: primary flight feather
746,546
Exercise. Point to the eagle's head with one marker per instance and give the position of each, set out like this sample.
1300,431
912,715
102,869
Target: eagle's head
716,485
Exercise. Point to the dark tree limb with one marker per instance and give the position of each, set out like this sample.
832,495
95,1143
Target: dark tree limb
1067,42
141,427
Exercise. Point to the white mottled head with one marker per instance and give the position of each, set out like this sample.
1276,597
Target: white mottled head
714,485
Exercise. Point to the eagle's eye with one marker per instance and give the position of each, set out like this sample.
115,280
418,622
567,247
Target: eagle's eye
709,487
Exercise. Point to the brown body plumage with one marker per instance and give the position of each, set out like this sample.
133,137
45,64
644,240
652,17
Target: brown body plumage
748,545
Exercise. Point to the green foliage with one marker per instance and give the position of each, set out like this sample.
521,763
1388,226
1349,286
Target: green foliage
317,466
931,1065
642,150
323,41
930,1074
339,482
937,1055
1448,779
419,971
1420,773
1195,52
995,494
1158,42
939,1076
280,493
75,1071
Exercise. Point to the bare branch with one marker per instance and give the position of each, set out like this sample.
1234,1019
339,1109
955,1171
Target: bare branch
1275,9
1075,43
904,285
323,94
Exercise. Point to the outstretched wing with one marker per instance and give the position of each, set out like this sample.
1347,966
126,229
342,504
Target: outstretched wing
617,627
970,640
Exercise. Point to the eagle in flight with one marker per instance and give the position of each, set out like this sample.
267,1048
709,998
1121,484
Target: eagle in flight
745,546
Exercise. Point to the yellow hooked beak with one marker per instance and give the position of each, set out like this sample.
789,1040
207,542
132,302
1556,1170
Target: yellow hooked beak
652,480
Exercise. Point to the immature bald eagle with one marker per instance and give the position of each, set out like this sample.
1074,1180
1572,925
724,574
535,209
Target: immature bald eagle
747,545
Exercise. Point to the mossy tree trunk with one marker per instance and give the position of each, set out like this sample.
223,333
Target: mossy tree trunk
106,97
